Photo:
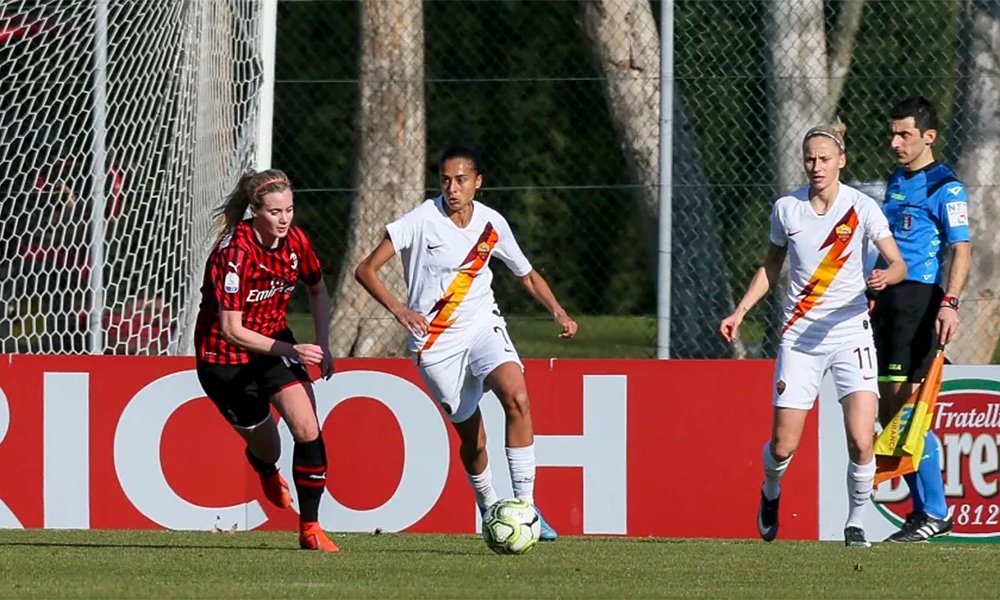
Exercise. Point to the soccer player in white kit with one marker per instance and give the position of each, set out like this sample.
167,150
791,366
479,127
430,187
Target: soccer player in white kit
457,336
823,228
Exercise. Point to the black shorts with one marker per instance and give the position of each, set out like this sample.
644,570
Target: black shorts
242,393
903,324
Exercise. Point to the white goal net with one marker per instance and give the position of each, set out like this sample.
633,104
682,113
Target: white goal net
123,123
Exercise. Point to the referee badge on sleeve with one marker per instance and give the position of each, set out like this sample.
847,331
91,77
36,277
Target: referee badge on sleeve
958,214
232,283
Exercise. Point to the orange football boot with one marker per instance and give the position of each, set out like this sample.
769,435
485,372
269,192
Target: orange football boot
312,537
276,490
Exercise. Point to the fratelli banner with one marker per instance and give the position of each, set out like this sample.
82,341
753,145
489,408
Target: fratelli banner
967,425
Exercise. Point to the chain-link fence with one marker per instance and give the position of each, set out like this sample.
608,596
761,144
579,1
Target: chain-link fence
563,98
521,81
756,75
122,124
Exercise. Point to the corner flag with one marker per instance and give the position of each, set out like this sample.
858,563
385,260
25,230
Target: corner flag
900,446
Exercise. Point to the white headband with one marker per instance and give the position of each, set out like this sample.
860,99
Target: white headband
813,134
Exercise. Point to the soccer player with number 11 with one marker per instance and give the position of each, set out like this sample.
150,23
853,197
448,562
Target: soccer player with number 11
822,228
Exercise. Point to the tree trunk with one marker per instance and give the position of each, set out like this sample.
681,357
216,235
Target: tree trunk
842,42
978,166
391,169
798,98
626,45
799,83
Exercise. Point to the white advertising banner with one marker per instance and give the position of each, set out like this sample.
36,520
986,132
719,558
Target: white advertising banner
967,425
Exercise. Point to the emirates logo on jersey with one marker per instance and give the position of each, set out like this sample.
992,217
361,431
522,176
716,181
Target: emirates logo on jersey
294,259
261,295
843,232
483,249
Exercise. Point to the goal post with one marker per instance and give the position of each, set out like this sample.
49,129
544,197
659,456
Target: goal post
123,124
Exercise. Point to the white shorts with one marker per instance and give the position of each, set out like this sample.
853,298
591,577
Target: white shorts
798,373
456,382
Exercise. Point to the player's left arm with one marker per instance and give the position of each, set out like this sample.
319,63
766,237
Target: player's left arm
508,250
953,214
540,291
319,301
877,231
319,306
961,262
895,270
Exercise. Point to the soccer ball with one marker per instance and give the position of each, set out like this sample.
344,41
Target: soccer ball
511,527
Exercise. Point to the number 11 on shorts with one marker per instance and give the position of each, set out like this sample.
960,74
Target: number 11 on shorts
864,355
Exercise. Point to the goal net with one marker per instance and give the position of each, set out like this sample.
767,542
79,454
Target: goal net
123,123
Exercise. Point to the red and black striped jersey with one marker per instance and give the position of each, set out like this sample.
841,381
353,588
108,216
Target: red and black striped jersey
242,275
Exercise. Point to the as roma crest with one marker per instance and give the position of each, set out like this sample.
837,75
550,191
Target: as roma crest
843,232
484,250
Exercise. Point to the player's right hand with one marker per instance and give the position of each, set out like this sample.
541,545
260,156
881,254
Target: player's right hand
729,326
414,322
308,354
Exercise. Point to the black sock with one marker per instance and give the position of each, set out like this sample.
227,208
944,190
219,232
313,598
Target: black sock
309,473
263,468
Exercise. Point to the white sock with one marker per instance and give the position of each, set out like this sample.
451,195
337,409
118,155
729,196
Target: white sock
773,472
860,479
482,485
522,472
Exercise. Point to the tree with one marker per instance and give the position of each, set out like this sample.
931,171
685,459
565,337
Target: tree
978,166
390,168
626,46
805,83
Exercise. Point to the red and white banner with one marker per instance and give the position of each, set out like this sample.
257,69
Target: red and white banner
633,447
967,426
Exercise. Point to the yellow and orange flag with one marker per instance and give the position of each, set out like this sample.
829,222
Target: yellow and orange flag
900,446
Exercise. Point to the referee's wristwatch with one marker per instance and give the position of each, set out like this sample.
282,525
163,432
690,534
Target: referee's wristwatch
950,302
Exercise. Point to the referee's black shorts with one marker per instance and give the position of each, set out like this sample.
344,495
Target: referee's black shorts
903,324
242,393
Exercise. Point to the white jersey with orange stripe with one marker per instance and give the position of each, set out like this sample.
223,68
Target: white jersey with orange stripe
826,301
447,272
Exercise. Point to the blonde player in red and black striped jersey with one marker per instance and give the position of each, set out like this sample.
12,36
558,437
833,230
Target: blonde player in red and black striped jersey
457,336
822,228
247,357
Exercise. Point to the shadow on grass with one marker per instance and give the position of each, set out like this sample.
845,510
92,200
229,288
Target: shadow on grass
142,545
348,548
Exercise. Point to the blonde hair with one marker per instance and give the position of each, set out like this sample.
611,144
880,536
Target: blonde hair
249,192
835,131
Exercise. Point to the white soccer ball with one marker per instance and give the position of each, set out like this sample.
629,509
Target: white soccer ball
511,527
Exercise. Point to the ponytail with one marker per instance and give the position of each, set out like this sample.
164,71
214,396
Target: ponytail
249,192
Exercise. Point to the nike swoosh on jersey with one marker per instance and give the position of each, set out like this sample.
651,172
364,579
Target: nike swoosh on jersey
444,308
828,268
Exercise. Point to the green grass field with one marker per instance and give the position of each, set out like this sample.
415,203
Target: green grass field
145,564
